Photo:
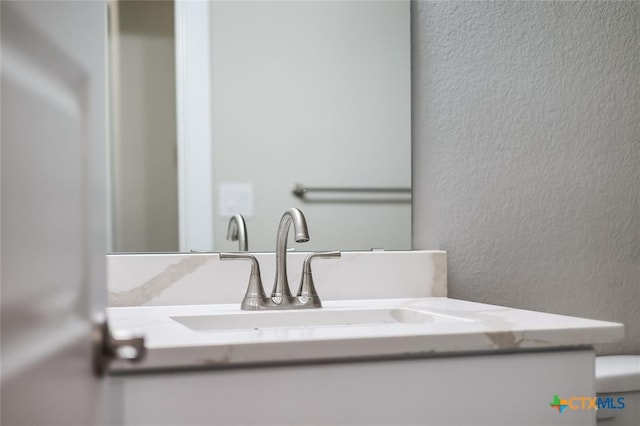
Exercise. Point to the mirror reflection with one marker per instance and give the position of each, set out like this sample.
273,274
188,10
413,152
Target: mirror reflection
306,104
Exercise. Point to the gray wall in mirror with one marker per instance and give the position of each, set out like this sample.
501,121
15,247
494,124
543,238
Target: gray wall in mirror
144,190
302,92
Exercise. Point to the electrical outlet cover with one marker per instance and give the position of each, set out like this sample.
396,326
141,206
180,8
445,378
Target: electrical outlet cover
235,198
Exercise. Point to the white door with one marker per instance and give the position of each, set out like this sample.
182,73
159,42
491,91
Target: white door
53,234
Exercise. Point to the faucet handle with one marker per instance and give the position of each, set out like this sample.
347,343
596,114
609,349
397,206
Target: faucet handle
307,295
254,298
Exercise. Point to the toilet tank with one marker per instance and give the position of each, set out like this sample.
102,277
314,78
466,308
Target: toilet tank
618,378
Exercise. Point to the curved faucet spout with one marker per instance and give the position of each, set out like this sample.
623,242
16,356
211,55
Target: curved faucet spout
237,231
281,293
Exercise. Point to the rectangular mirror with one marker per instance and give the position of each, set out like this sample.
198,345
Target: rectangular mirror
252,107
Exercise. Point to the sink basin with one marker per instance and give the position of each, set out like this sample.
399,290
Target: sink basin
221,336
311,318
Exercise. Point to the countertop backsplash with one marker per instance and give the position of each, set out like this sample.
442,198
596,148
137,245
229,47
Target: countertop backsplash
202,278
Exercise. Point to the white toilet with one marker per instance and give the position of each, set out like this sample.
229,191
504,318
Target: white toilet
619,377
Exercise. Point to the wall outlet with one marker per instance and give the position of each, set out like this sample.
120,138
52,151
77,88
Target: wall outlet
235,198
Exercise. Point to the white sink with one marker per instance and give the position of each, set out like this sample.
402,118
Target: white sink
311,318
188,336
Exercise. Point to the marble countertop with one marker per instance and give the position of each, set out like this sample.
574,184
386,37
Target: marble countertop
424,327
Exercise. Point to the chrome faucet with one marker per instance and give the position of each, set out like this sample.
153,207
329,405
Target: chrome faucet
281,294
237,231
281,298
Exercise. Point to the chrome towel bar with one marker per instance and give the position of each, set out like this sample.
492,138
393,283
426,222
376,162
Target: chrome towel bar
300,190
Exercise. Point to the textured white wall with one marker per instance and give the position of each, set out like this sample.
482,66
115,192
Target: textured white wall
526,162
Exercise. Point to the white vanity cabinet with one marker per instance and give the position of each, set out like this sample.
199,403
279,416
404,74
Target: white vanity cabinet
374,354
482,389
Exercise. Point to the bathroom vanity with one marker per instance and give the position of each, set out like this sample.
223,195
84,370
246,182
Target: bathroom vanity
365,357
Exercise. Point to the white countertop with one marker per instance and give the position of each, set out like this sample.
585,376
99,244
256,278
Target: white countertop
454,327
